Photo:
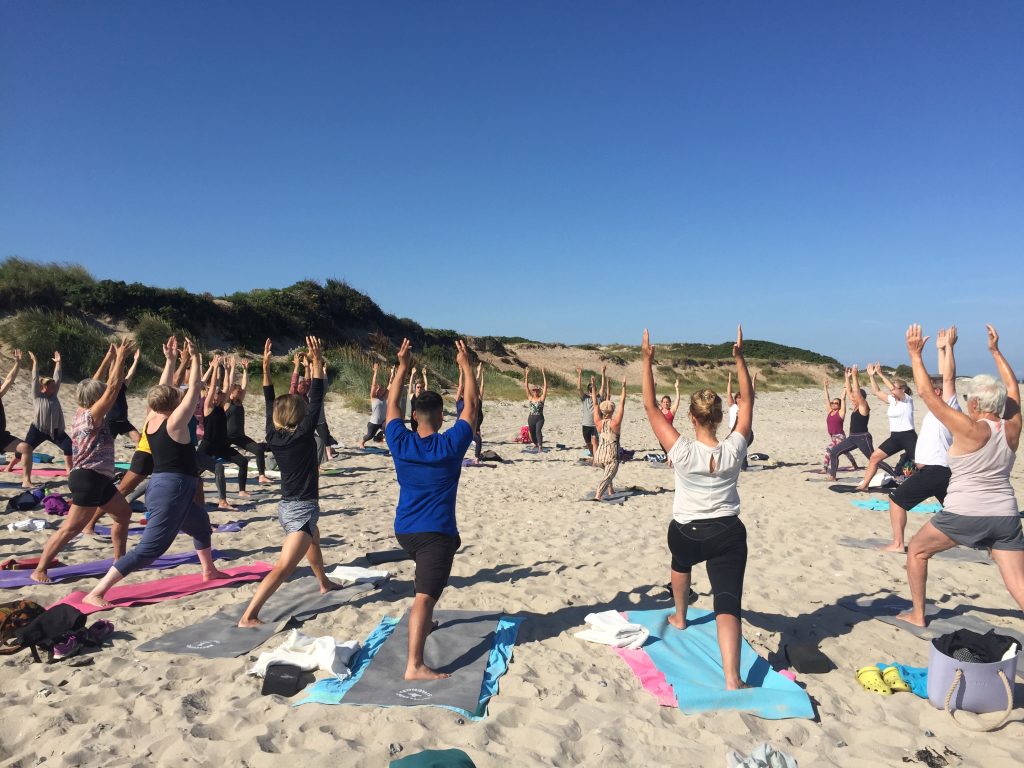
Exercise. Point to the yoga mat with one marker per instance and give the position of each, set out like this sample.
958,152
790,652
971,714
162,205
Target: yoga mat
122,465
961,554
848,489
375,450
42,472
605,500
170,588
880,505
692,664
12,579
138,530
219,636
474,647
388,556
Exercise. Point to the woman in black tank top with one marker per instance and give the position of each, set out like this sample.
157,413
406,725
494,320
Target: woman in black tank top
171,456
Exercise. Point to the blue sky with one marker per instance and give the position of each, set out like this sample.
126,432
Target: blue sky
573,171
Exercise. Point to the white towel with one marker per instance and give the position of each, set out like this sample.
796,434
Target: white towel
347,575
611,628
32,524
309,654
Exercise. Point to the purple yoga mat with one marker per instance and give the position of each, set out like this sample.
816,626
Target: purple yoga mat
13,579
138,530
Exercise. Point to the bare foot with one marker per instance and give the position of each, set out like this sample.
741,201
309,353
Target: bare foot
859,487
244,494
423,672
264,480
830,478
249,623
677,621
912,618
40,576
215,574
99,602
330,586
736,686
362,445
90,532
27,484
225,506
894,548
597,497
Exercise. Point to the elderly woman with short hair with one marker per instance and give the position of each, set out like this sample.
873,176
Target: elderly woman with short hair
91,480
980,509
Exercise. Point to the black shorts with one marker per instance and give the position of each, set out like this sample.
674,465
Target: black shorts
900,441
589,435
142,463
930,480
89,488
434,554
120,427
8,442
35,438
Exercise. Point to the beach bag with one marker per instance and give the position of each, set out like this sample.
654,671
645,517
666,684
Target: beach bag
25,501
55,505
966,671
14,616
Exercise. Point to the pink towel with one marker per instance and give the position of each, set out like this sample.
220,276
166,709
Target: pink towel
171,588
651,678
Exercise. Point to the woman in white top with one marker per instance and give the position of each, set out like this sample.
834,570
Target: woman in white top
902,435
980,508
706,527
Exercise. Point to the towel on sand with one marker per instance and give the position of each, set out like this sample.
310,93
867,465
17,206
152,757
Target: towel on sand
347,575
915,677
309,654
765,756
611,628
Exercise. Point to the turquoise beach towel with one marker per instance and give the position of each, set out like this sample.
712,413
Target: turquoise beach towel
879,505
692,664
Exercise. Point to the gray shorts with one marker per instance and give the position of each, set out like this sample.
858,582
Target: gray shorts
296,516
990,532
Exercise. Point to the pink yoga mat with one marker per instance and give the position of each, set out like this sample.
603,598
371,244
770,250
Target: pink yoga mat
41,472
171,588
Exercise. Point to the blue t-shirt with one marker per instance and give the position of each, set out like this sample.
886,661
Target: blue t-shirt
428,472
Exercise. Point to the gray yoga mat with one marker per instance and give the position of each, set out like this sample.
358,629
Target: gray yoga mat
461,646
220,637
961,554
941,621
614,499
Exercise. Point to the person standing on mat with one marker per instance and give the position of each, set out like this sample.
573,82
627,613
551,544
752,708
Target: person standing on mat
428,464
48,419
8,442
235,412
980,509
536,397
609,428
290,434
378,410
91,481
859,437
706,527
835,417
590,439
214,449
117,419
902,435
171,504
931,477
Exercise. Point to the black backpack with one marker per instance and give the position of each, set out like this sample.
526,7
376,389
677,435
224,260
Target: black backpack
49,628
14,617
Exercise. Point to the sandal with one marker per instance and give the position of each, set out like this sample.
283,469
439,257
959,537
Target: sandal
100,631
891,677
870,679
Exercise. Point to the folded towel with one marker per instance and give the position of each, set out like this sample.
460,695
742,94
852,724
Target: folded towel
611,628
309,654
32,524
351,574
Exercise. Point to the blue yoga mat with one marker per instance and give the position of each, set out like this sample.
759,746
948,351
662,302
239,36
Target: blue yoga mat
692,664
879,505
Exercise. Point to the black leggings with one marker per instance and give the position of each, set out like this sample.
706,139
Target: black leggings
905,441
860,440
536,424
259,450
372,431
721,543
208,463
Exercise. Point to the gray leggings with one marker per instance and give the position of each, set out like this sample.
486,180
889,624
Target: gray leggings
170,507
860,440
536,425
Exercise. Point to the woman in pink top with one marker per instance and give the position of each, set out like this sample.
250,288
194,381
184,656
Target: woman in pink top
980,508
834,419
667,409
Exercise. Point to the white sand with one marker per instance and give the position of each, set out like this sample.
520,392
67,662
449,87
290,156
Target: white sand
530,549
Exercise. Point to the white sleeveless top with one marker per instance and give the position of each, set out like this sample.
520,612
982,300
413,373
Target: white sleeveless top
980,481
700,493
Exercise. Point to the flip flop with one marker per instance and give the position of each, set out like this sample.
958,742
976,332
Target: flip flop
870,679
891,677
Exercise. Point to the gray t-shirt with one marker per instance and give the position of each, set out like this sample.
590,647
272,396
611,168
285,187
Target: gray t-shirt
378,410
48,414
588,410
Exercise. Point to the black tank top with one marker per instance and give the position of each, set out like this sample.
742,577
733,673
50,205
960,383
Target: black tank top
171,456
858,422
236,421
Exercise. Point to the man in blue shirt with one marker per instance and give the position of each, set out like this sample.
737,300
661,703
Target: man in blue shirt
428,464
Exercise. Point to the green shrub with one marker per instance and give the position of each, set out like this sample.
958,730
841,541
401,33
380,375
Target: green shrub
28,284
81,346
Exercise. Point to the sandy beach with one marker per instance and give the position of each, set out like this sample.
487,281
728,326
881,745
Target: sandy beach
532,549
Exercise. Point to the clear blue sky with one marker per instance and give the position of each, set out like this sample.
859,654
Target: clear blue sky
826,172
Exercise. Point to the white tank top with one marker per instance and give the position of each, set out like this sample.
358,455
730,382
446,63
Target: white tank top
980,481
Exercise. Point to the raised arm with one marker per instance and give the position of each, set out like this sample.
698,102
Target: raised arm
544,385
135,366
426,386
617,418
579,381
471,396
395,394
57,370
858,402
177,422
745,417
13,375
317,371
293,386
947,362
101,407
872,370
35,377
458,390
245,378
373,380
885,379
1011,413
665,432
101,372
606,388
170,358
846,394
675,408
229,380
959,424
211,390
268,389
480,376
729,400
